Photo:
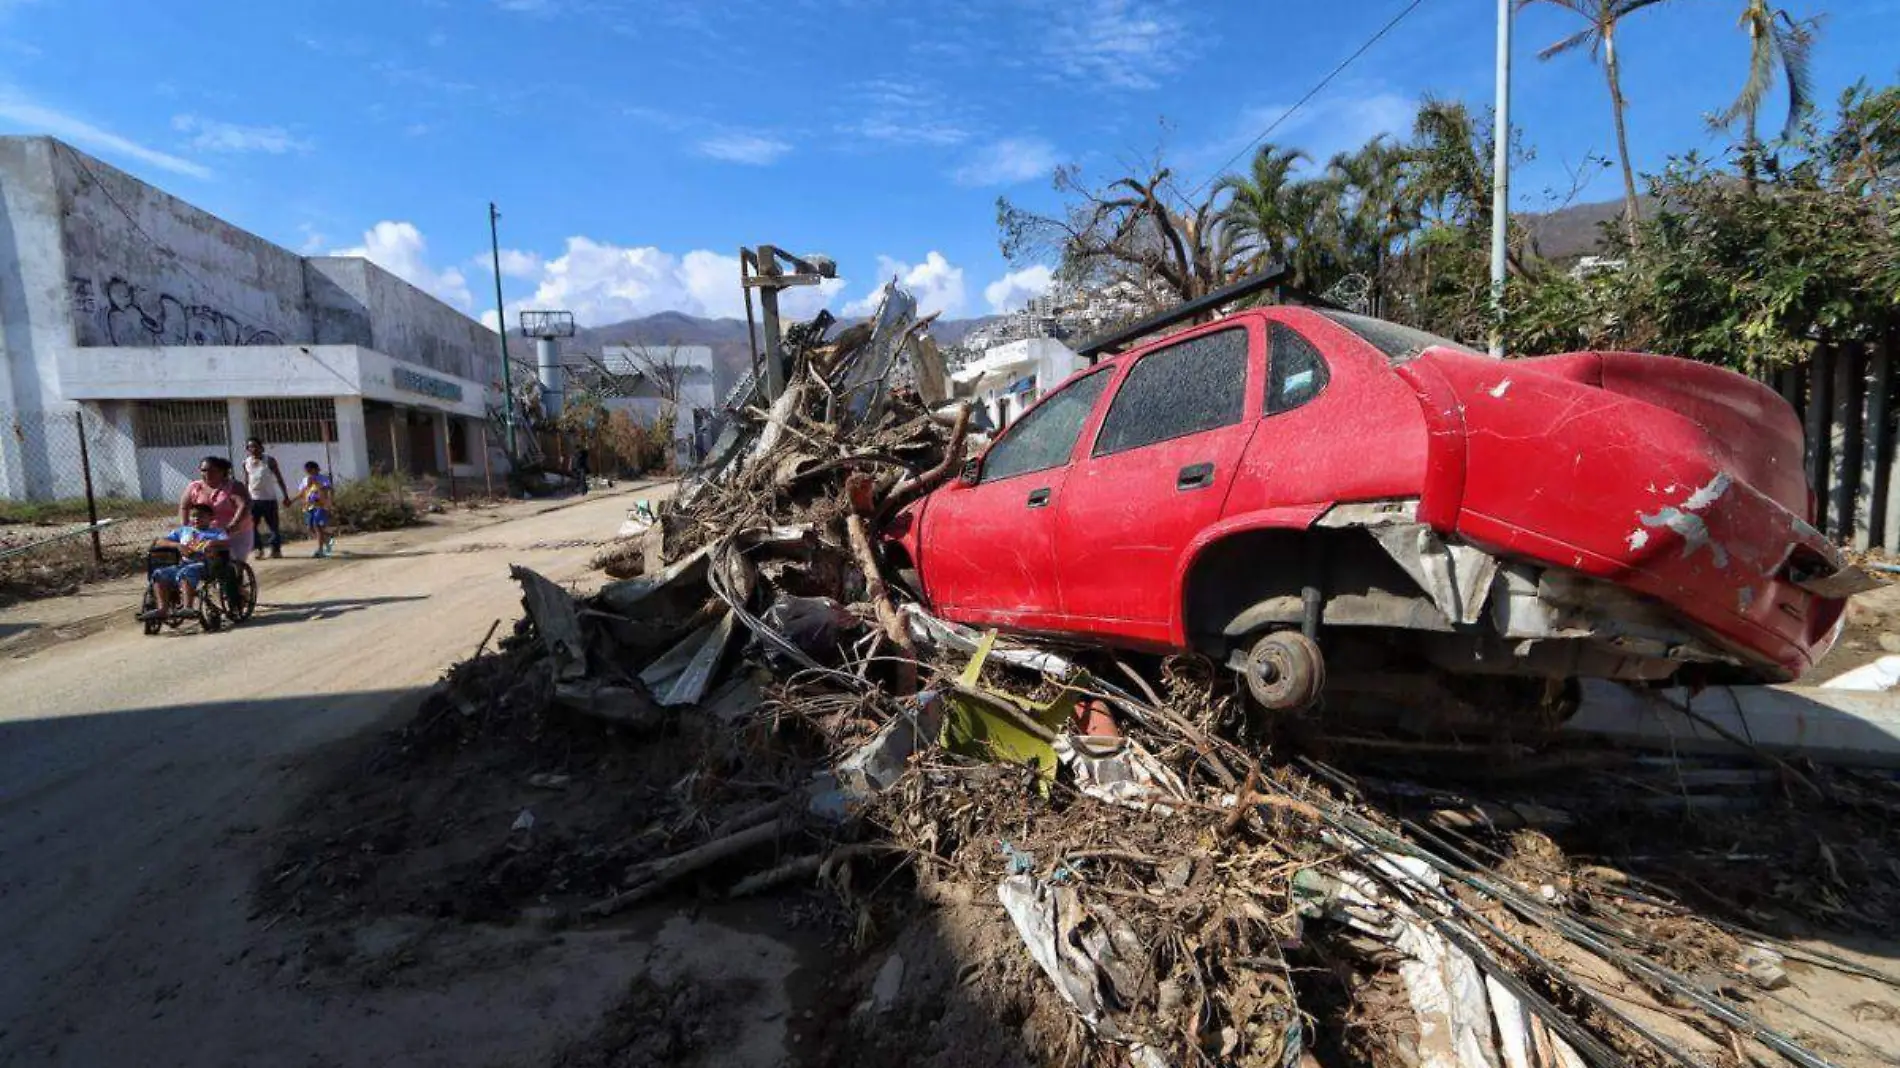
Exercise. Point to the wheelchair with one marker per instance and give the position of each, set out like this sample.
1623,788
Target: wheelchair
227,594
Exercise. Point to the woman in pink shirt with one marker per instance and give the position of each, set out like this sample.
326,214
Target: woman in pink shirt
228,500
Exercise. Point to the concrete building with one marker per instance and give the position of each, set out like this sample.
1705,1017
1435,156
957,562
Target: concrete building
169,334
649,373
1008,378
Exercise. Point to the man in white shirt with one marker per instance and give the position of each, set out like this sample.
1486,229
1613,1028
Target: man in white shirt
266,483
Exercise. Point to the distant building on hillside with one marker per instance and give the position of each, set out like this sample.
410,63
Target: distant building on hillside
1065,313
1008,378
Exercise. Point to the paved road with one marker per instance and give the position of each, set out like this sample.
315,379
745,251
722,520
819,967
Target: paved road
139,776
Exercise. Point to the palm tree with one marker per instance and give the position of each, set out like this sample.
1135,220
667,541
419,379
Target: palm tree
1314,218
1776,42
1377,206
1600,35
1261,213
1450,173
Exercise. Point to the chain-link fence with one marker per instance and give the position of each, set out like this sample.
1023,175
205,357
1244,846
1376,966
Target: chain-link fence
72,492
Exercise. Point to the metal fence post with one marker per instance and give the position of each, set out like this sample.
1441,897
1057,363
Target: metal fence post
488,473
85,469
448,456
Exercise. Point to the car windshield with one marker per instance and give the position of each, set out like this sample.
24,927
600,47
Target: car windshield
1400,344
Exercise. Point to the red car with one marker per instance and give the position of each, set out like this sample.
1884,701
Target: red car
1288,479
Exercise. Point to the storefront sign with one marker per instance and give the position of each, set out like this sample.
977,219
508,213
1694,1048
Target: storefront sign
415,382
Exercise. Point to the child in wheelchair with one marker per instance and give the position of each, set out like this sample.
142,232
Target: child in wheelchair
177,564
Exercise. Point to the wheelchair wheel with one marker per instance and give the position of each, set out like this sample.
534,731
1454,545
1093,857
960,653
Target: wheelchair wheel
210,618
242,593
148,606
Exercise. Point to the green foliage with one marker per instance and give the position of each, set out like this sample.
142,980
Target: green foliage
1749,274
379,502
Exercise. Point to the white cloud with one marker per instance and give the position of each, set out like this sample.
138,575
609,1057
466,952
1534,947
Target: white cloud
1008,162
515,263
752,149
936,283
1123,44
905,113
215,136
313,240
1015,289
605,283
438,39
399,248
40,119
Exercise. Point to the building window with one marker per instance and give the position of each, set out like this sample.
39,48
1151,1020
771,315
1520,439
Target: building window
280,420
194,424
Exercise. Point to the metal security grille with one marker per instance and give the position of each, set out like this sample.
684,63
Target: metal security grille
181,424
284,419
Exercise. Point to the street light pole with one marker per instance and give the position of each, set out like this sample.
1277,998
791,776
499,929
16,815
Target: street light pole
501,330
1501,178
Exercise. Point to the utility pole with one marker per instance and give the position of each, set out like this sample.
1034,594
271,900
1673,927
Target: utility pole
1501,178
501,331
768,311
760,269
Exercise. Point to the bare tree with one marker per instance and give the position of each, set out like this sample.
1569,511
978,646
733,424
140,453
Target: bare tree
1139,235
659,366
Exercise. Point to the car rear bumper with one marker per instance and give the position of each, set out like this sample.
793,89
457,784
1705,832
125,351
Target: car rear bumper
1737,565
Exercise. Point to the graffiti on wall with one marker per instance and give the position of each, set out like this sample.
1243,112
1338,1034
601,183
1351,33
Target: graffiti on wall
126,314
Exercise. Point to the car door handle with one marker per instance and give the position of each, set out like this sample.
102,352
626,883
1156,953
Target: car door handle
1039,498
1194,476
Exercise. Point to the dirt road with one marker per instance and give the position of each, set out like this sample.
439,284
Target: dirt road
139,777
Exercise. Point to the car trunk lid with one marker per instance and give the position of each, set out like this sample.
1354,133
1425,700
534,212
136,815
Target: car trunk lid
1750,431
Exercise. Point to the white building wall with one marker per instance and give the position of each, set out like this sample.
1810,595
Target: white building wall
108,285
146,268
35,327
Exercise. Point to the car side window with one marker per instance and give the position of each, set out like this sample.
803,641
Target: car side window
1198,384
1296,372
1045,437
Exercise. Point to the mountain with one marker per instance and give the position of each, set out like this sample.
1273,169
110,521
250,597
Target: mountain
1577,230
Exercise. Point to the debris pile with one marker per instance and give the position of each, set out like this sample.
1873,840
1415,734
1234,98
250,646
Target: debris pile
764,708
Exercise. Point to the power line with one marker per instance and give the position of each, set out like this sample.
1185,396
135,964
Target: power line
1310,94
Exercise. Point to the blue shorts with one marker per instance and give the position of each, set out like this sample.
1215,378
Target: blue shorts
191,574
316,517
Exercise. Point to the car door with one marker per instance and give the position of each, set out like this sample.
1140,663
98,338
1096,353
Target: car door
1156,475
988,549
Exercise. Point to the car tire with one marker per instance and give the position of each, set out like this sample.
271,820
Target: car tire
1285,671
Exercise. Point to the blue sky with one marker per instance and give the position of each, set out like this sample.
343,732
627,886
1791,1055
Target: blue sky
634,145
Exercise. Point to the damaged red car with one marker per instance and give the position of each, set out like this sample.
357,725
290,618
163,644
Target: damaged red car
1289,488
